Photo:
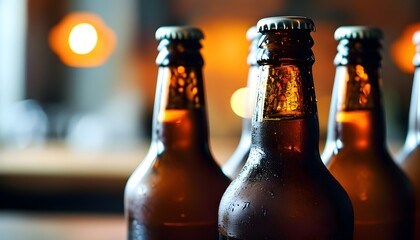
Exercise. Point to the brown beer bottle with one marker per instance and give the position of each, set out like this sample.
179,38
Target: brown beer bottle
284,191
235,163
356,152
409,155
175,191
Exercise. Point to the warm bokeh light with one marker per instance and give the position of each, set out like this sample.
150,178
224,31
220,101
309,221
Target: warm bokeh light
403,49
82,39
237,102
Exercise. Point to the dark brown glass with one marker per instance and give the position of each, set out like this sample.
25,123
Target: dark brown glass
284,190
356,152
175,192
234,164
409,156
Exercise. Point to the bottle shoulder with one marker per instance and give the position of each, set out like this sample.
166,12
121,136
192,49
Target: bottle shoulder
409,154
237,160
166,188
372,157
287,172
183,167
275,204
409,161
374,175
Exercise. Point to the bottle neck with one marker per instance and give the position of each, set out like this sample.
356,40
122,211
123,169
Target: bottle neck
413,134
180,118
298,135
356,113
285,117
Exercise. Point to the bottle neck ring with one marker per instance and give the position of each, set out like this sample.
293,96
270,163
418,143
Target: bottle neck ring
366,52
179,53
278,47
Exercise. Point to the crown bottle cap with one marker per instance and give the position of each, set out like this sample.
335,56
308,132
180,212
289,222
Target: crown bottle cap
358,32
179,33
285,22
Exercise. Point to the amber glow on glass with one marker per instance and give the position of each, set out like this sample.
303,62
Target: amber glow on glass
359,120
403,49
364,183
237,102
172,115
280,94
361,74
82,39
365,87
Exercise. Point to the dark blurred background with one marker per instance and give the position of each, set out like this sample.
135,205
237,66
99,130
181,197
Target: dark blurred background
76,107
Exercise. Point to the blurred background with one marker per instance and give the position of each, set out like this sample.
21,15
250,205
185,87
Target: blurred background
77,84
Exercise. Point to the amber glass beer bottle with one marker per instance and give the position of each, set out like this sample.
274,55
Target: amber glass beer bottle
284,191
409,156
355,151
235,163
175,191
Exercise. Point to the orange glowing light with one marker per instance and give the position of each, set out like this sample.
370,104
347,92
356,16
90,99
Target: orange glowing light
403,49
82,39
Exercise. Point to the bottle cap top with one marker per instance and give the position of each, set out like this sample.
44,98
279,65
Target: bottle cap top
285,22
179,33
416,38
252,33
358,32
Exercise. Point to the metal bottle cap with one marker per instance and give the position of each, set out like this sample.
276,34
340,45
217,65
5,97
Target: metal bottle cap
358,32
179,33
416,38
285,22
252,33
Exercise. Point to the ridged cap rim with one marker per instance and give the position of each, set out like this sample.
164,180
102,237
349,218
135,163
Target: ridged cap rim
358,32
416,38
252,33
179,33
285,22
